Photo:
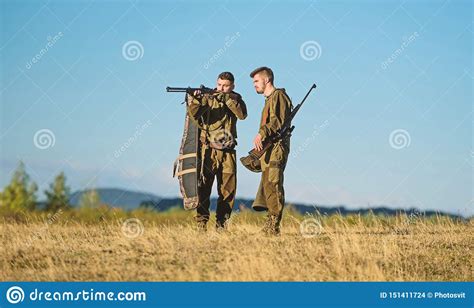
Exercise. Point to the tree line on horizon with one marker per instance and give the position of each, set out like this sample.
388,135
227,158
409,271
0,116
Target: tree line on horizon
21,194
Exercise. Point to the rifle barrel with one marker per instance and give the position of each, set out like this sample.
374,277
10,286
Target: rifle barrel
307,94
188,89
174,89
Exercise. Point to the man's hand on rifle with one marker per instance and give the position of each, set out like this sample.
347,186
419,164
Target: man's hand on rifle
197,97
257,143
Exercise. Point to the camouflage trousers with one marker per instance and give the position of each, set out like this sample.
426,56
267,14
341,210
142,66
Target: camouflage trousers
219,164
271,194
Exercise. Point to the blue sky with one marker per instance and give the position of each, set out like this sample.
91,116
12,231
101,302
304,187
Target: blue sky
390,123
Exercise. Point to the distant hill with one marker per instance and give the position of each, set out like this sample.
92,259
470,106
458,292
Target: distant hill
130,200
127,199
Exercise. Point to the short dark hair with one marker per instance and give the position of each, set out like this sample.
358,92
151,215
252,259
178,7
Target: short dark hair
266,70
226,76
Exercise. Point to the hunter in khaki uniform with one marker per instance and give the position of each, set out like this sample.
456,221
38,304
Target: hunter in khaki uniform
277,108
216,115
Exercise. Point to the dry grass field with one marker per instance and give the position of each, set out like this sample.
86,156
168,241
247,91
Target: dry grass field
166,247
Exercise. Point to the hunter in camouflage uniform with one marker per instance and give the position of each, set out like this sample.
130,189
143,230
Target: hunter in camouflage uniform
216,115
271,195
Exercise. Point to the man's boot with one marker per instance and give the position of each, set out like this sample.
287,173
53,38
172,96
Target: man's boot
221,226
221,223
201,225
272,225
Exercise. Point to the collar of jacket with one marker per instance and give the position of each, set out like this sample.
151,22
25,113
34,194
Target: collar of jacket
274,89
273,92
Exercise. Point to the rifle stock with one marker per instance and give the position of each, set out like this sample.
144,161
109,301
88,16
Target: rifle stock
257,154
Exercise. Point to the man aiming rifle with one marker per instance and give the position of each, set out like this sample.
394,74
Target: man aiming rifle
215,112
